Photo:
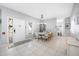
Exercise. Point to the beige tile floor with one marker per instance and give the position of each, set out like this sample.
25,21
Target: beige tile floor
58,46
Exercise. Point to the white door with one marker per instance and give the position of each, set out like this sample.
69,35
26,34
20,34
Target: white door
19,30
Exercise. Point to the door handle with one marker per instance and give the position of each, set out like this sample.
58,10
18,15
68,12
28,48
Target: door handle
14,30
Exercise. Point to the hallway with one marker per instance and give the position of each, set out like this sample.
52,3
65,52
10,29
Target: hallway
59,46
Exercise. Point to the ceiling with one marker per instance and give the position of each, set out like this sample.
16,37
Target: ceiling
49,10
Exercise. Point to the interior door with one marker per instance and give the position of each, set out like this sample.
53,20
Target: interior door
19,30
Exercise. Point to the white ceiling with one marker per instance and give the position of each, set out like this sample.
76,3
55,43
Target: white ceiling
49,10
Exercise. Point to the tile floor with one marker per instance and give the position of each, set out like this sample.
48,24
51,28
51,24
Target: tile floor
59,46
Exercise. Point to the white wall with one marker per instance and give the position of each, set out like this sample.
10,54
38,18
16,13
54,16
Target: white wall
60,24
51,25
34,25
74,26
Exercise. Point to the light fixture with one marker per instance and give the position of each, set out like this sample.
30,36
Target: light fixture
42,20
41,16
